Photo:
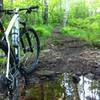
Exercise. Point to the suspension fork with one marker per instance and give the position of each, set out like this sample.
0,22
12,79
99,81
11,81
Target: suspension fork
7,32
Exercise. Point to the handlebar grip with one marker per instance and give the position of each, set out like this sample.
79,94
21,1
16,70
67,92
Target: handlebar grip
7,11
29,10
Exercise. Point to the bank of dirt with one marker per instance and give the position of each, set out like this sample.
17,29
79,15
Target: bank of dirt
62,54
70,54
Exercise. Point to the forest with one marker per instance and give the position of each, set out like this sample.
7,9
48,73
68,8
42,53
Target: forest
69,60
79,18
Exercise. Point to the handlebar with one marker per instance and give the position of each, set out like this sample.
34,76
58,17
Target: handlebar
28,10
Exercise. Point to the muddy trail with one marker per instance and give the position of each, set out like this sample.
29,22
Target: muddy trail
62,54
67,54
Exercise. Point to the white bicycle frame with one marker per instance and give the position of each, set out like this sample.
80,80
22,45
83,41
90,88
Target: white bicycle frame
13,23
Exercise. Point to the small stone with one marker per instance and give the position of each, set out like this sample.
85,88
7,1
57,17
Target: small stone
78,73
97,71
90,76
46,50
45,72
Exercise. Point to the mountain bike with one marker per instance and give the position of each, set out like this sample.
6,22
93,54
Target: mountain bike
19,52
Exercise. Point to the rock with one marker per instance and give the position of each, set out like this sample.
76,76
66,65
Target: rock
45,73
97,71
89,76
75,79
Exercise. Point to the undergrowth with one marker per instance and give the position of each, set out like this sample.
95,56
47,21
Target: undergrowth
87,29
44,30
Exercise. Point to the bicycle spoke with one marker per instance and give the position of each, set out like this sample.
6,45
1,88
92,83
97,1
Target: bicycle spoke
30,58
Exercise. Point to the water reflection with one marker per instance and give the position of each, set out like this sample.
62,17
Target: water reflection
89,89
67,86
81,88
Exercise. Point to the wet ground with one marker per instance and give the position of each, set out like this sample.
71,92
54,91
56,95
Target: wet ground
66,86
69,69
69,54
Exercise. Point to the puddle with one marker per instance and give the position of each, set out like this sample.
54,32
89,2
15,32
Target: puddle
65,87
89,89
81,88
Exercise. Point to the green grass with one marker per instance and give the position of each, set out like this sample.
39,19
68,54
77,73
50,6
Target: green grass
84,28
44,30
85,34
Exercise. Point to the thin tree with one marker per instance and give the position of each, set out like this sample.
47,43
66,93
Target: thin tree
66,12
61,11
1,7
57,10
45,17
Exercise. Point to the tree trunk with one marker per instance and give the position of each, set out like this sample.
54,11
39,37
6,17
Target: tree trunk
45,17
57,10
66,12
61,11
1,7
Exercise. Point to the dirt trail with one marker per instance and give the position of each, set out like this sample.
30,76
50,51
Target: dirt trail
68,54
65,54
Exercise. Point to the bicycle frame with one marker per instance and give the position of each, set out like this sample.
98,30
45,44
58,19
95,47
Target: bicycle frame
14,23
17,45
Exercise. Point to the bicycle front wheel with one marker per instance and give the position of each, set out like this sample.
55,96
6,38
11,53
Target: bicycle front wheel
30,49
5,88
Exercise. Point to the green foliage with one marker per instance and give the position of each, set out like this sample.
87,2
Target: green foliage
79,9
76,22
34,17
84,28
79,23
87,23
81,33
95,26
44,30
19,3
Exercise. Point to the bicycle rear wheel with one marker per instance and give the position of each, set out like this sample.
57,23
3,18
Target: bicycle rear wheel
30,49
3,57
